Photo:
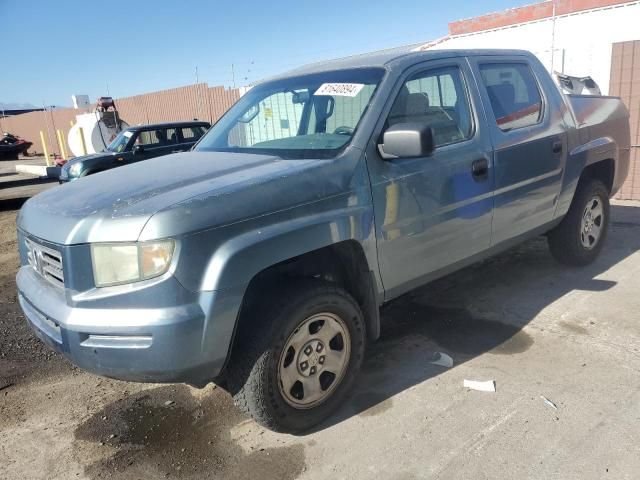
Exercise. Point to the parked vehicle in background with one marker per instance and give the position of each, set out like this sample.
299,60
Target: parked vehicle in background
12,145
135,144
260,258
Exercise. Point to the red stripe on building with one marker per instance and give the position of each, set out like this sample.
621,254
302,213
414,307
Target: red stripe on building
528,13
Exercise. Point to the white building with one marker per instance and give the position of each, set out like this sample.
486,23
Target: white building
575,37
572,37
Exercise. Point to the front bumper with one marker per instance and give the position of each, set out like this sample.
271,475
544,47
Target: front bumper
188,342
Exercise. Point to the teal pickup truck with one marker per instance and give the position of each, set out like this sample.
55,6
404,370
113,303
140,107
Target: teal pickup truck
260,258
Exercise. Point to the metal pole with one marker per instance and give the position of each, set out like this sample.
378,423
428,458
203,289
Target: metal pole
47,125
233,76
198,95
553,33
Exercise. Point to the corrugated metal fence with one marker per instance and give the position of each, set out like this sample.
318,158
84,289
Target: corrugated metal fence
184,103
625,83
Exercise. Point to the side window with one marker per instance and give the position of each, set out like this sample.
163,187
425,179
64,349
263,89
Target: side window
513,93
152,138
172,136
437,98
193,133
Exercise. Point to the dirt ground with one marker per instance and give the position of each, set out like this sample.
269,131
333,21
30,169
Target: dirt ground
533,326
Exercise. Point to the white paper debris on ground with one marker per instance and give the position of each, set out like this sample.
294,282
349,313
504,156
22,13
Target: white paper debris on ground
488,386
442,359
549,402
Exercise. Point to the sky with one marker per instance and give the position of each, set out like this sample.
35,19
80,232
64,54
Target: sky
54,49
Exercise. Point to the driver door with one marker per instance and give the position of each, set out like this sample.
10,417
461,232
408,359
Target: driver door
435,211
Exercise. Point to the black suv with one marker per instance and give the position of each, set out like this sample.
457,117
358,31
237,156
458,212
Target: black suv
134,144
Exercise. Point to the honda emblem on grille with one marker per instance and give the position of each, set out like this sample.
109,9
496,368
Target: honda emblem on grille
36,260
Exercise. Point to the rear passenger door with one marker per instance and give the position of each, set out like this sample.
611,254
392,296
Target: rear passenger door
189,136
432,211
530,142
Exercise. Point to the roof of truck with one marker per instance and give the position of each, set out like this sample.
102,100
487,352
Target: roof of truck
393,57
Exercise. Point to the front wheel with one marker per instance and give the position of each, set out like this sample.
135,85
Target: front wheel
292,368
581,234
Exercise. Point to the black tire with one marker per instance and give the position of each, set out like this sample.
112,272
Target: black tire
565,240
252,374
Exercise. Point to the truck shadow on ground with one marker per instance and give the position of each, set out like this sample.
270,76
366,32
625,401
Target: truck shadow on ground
480,309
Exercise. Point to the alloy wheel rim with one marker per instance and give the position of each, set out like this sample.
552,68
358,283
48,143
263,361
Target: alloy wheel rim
592,223
314,360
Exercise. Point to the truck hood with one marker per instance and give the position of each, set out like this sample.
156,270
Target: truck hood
116,205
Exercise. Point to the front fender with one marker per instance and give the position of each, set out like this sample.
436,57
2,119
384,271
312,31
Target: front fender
250,247
237,260
230,256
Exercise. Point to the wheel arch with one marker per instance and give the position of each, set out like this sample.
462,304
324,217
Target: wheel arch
595,159
343,263
603,170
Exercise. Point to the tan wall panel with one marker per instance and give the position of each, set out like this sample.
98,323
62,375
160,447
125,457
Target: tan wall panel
183,103
625,83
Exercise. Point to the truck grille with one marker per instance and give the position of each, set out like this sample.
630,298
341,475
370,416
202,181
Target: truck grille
46,261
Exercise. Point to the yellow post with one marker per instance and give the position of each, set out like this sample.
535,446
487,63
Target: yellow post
44,148
65,148
84,145
61,144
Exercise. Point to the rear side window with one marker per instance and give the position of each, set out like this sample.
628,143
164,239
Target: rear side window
157,138
513,93
436,98
191,134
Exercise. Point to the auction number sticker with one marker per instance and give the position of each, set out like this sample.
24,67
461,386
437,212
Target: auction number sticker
127,133
340,89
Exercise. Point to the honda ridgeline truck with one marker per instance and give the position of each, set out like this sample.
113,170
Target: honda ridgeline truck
260,259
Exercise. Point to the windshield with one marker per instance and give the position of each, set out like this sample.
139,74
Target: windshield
309,116
120,142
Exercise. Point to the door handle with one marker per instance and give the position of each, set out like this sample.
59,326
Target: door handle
556,147
480,169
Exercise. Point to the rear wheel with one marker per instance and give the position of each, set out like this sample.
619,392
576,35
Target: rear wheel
581,234
292,369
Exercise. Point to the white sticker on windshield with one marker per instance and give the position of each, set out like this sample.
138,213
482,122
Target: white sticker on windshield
127,133
340,89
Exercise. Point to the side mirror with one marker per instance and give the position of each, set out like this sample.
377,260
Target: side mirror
138,149
407,140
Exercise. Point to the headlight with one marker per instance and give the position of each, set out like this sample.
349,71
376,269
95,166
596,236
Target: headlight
75,169
117,263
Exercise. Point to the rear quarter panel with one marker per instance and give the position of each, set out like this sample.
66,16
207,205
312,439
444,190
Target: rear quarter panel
602,132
